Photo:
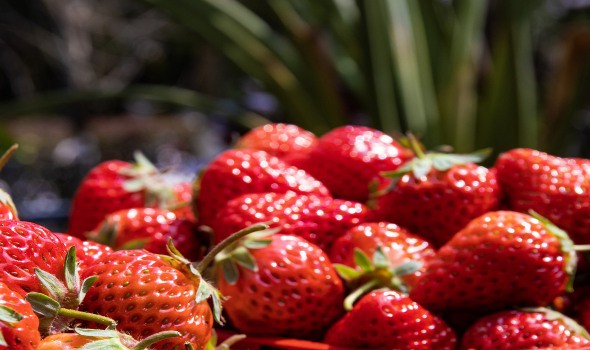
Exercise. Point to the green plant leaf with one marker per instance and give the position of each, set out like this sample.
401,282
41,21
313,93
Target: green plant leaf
71,270
242,257
43,305
9,315
362,260
407,268
86,284
346,272
52,284
230,271
380,260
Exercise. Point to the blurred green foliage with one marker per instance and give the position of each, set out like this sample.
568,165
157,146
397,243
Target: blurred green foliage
464,73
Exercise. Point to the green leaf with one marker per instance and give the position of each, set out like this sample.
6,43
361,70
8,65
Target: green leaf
362,260
407,268
9,315
257,243
86,284
421,167
105,344
43,305
97,333
144,163
52,284
134,185
242,257
346,272
71,270
380,260
230,271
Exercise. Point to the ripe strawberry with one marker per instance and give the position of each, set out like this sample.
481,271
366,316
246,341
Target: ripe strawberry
279,285
145,294
18,323
115,185
319,220
150,229
435,195
88,252
100,339
237,172
26,246
398,245
348,158
278,139
536,328
555,187
183,193
499,259
389,320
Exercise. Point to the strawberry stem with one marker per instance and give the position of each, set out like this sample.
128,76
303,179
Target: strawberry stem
210,257
226,344
7,155
354,296
85,316
582,248
415,146
154,338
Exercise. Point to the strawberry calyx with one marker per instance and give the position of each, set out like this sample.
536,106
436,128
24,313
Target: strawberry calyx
567,247
553,315
109,338
225,345
5,198
144,176
373,274
62,298
194,270
238,254
107,234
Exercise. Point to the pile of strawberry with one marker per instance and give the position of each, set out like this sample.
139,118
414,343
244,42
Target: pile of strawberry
352,239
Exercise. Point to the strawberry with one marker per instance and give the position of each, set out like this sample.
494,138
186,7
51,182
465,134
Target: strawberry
87,251
237,172
389,320
146,293
148,228
398,245
499,259
100,339
436,194
26,246
348,158
183,192
18,322
535,328
278,139
319,220
555,187
279,285
114,185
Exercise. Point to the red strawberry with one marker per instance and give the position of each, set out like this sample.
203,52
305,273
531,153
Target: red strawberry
320,220
537,328
499,259
278,139
115,185
18,323
435,195
145,294
282,286
87,251
555,187
388,320
237,172
150,229
398,245
26,246
183,192
348,158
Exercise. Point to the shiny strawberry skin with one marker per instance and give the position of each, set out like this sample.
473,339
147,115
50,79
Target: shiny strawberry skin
398,244
439,205
295,291
64,341
183,192
154,227
389,320
87,252
101,192
348,158
146,295
24,334
557,188
7,208
320,220
237,172
278,139
499,259
520,330
24,247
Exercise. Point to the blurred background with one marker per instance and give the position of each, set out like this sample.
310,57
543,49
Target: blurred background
82,81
